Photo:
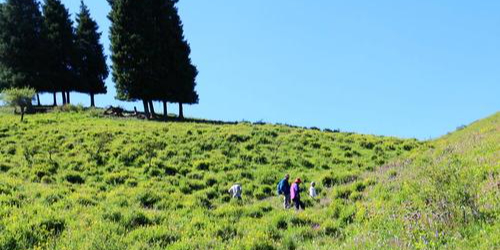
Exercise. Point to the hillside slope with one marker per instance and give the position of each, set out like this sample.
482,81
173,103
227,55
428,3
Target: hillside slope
79,181
444,196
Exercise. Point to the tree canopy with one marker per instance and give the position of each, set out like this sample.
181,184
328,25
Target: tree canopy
18,97
150,55
22,57
60,47
92,69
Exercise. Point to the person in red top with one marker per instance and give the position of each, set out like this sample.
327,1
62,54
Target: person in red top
295,194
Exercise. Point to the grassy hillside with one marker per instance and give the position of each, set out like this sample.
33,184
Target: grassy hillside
444,196
80,181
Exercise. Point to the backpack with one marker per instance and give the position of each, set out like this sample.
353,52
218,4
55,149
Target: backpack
280,187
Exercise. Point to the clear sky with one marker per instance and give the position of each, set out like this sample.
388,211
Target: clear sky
387,67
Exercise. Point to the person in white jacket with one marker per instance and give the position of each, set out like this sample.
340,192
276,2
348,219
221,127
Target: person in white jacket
312,190
236,191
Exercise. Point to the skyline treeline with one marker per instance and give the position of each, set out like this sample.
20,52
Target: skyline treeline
41,48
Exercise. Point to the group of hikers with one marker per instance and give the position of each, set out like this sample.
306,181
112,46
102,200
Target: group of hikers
291,193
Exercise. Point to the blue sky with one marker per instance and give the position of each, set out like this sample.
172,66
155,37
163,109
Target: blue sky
402,68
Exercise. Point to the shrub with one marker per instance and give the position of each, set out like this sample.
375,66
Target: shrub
280,222
169,170
113,216
342,192
260,159
337,179
226,232
116,178
154,236
332,229
54,226
347,215
148,199
367,144
135,219
300,221
202,165
289,243
44,170
359,186
307,163
237,138
69,108
53,198
355,196
74,178
210,181
86,201
4,167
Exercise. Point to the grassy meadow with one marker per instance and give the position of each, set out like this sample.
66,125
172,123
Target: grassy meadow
73,179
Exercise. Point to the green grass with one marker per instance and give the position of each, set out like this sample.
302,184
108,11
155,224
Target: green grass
76,180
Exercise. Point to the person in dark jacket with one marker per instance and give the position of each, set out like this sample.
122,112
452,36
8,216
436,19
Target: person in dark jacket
284,189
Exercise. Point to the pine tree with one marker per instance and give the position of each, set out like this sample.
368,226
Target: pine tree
150,55
130,36
176,73
183,72
59,34
162,62
22,58
91,67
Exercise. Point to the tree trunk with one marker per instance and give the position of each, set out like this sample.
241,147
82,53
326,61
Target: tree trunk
22,113
165,111
67,98
38,100
146,108
63,94
152,109
92,102
55,99
181,111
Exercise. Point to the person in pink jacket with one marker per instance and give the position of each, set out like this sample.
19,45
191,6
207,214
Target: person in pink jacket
295,194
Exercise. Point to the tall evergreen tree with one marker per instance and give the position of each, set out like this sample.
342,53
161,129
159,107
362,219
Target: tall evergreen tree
130,37
183,73
91,67
162,12
60,47
175,71
150,55
22,59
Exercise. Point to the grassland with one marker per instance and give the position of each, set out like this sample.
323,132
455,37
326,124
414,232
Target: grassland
76,180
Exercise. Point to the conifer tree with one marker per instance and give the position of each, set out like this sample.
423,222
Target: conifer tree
59,34
131,50
150,55
91,67
22,58
183,72
163,10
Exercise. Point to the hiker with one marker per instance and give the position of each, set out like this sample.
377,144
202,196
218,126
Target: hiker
312,190
236,191
284,189
295,194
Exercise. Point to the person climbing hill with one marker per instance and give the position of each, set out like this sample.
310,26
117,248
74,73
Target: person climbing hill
235,191
312,190
295,194
284,189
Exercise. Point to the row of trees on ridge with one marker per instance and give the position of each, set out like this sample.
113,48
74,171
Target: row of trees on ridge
40,49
